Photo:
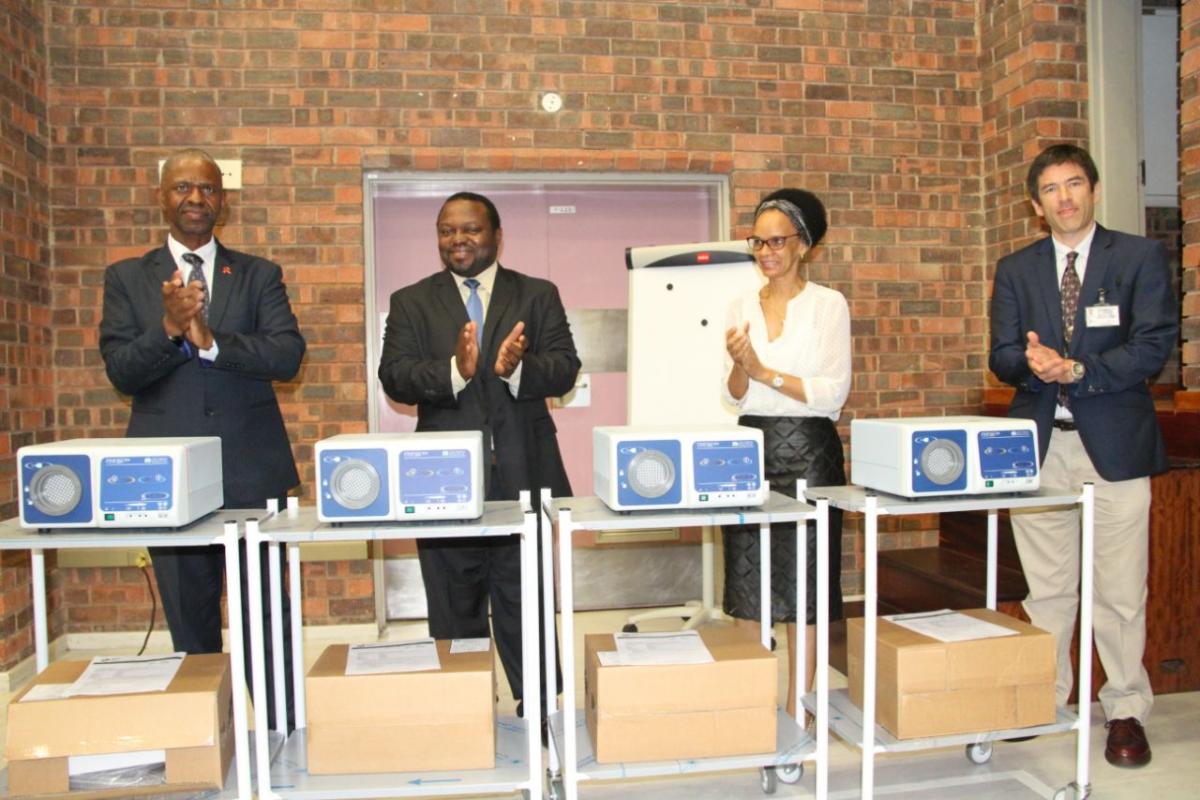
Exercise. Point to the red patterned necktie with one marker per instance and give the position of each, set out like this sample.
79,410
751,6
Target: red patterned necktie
1070,305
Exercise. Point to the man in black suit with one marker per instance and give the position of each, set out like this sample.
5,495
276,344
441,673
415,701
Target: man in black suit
477,346
195,333
1080,322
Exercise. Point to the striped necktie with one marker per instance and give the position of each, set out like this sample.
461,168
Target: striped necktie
197,274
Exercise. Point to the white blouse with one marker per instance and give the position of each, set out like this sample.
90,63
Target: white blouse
814,346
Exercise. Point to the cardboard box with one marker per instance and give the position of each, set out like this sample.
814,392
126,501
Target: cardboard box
192,721
653,713
402,721
926,688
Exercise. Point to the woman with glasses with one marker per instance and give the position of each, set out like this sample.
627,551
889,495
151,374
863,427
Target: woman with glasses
788,373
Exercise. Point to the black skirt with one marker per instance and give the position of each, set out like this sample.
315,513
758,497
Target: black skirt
795,447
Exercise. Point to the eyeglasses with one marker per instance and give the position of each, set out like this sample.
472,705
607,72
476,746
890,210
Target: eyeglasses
184,188
773,242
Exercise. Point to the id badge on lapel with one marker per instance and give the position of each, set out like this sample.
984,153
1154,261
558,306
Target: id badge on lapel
1102,314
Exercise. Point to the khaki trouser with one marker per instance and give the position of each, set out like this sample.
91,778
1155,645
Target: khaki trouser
1049,541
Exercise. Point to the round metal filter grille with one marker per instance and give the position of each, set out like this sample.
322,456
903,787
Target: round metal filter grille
354,484
651,474
942,461
55,490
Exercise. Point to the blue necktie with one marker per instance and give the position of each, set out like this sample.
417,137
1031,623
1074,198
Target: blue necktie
475,309
197,274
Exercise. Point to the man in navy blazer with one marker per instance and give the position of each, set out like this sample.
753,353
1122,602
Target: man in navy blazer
493,378
195,334
1083,378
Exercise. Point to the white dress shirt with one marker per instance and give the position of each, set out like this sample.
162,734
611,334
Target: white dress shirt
487,280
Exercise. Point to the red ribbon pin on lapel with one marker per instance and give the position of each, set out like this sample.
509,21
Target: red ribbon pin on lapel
226,270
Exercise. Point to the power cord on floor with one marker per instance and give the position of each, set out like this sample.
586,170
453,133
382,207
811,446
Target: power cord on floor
142,562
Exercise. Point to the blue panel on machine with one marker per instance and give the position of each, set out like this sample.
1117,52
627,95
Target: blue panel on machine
648,472
57,489
726,465
939,461
136,483
435,477
354,483
1007,454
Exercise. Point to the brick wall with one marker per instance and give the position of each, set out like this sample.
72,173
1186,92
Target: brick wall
1165,224
874,106
26,365
915,121
1189,192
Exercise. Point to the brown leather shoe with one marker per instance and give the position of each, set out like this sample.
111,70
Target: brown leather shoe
1127,744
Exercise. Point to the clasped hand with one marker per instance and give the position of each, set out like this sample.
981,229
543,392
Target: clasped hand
737,344
182,307
512,350
1047,364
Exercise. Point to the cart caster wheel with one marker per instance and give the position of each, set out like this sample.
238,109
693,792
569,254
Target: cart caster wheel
556,790
789,773
629,627
1072,792
766,779
979,753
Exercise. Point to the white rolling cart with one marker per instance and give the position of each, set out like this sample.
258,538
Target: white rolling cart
518,744
572,758
858,727
222,527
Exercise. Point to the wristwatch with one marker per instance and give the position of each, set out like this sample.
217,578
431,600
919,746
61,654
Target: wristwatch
1077,370
176,340
777,381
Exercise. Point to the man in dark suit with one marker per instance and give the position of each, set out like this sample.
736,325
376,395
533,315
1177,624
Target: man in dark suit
1080,322
195,333
477,346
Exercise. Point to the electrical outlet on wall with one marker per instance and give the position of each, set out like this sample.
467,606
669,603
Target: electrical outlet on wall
231,171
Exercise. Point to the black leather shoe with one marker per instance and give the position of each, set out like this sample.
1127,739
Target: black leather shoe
545,723
1127,744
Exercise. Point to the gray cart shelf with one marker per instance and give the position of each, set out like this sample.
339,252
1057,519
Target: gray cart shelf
518,745
571,756
218,528
857,726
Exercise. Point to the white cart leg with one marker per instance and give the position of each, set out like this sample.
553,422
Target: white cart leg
570,758
871,589
237,658
1086,590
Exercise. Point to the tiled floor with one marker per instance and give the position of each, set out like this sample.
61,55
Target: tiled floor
1016,771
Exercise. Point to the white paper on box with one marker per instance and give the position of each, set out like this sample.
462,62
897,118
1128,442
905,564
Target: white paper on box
414,655
46,691
609,658
949,626
105,762
480,645
127,675
647,649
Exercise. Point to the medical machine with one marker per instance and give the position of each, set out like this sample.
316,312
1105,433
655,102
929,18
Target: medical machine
928,456
400,476
119,483
656,467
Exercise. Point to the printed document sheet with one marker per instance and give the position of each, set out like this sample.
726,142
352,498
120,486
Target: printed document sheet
414,655
676,647
949,626
127,675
